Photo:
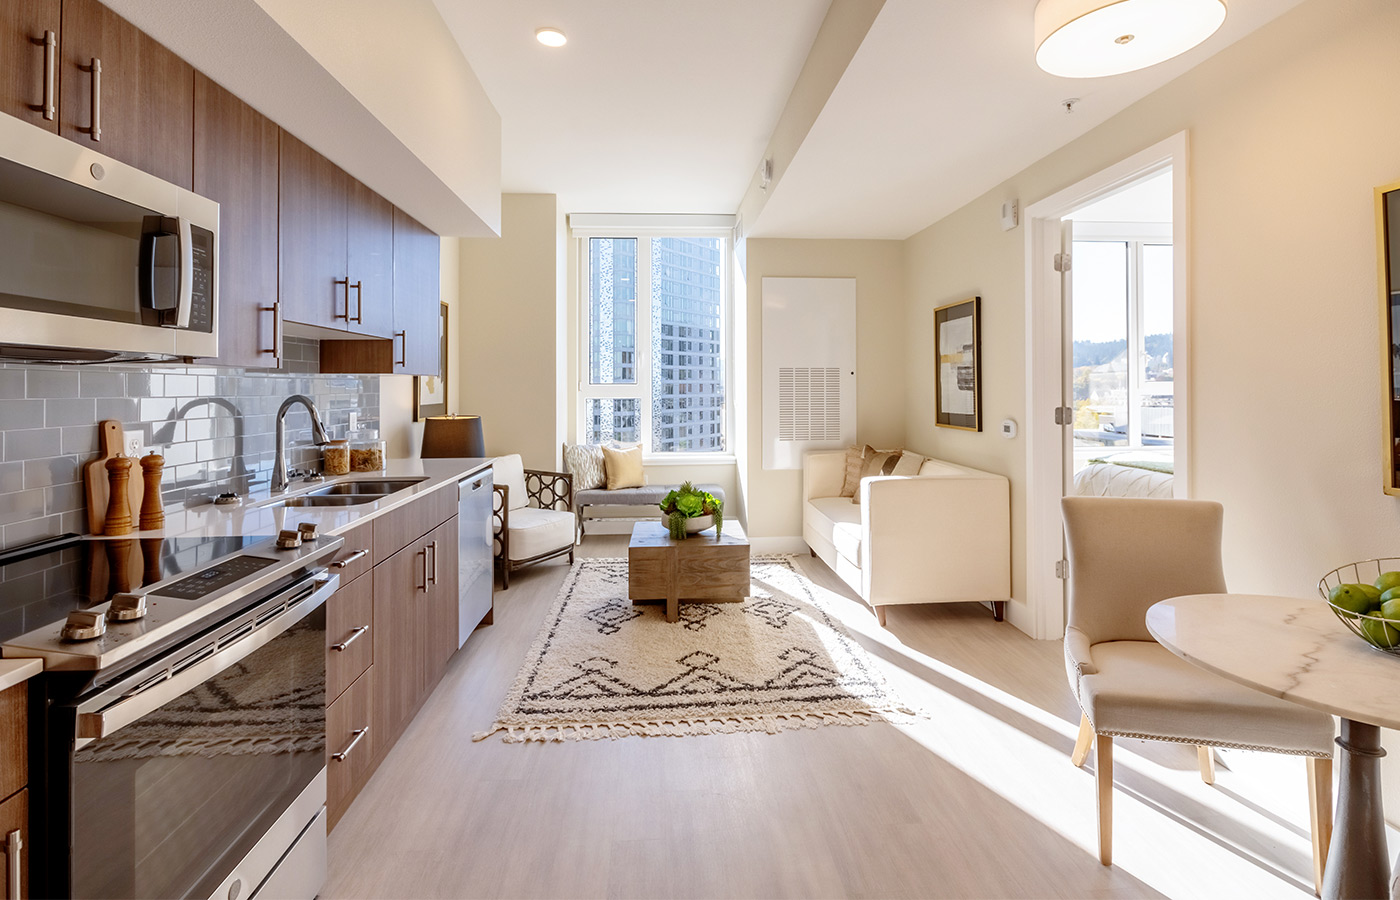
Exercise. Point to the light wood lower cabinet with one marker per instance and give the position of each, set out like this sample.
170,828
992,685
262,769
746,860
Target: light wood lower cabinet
350,744
349,635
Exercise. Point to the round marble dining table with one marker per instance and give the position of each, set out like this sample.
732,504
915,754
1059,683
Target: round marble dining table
1297,649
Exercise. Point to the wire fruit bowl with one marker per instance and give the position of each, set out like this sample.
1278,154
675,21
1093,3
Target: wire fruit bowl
1377,631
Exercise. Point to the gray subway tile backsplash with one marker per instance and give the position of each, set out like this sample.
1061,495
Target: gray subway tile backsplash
197,417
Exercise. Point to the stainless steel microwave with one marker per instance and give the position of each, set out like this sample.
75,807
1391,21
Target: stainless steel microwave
99,261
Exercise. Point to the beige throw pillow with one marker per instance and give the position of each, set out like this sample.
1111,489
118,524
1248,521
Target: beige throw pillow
585,463
624,467
886,462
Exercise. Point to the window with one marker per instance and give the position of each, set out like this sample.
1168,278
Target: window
656,371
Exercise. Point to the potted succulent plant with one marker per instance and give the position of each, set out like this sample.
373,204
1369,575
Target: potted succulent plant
687,510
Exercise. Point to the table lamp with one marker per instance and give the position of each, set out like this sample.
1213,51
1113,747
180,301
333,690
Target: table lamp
452,436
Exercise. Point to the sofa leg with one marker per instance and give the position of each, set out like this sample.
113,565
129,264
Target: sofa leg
571,556
998,610
813,552
880,615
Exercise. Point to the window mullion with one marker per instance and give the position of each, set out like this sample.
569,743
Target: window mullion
644,342
1136,344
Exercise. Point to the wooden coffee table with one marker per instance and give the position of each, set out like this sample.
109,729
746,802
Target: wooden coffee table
701,569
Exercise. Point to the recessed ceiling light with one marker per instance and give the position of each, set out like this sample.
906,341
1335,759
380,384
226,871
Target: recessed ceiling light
551,37
1091,38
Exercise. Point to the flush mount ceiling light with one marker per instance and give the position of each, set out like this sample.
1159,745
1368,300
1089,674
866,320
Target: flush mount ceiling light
1091,38
551,37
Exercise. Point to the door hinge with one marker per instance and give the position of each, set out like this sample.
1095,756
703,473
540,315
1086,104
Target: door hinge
1064,415
1063,262
1061,568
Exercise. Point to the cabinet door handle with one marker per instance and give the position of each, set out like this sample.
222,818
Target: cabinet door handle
96,69
433,547
50,44
276,348
354,636
424,554
403,359
358,733
346,282
359,302
347,560
13,874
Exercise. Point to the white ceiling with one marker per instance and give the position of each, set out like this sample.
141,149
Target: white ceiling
660,106
653,105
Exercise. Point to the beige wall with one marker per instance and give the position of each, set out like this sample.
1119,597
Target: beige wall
1289,130
508,327
396,425
775,496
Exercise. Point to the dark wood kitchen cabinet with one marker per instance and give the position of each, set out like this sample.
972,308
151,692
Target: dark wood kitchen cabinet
369,244
14,780
416,297
350,745
123,94
311,217
29,32
235,163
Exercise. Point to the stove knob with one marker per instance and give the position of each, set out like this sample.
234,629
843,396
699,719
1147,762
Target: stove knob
288,539
127,608
84,625
307,530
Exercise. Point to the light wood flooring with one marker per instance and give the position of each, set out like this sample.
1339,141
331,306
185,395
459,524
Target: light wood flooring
979,800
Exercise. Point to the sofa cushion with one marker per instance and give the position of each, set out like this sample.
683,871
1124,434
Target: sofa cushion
534,531
510,471
837,520
585,463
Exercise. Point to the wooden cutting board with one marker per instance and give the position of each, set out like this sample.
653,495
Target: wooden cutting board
95,477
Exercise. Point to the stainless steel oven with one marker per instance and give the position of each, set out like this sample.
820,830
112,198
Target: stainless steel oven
100,261
183,754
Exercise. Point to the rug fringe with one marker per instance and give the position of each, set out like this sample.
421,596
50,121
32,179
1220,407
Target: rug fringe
772,724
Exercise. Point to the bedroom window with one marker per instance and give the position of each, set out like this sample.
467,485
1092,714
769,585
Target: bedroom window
656,310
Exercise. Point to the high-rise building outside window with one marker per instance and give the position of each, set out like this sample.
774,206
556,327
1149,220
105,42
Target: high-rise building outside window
657,316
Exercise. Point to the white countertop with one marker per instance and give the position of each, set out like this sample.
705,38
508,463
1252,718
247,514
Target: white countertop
1284,646
255,518
13,671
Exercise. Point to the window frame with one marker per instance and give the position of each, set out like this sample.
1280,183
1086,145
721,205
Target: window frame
640,389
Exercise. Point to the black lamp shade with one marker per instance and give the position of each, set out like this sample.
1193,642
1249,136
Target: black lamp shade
453,436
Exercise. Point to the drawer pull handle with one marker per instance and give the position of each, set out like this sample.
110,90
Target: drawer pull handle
354,636
95,67
13,844
358,733
345,561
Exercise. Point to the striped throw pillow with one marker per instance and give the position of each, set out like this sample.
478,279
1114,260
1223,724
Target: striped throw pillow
585,464
886,462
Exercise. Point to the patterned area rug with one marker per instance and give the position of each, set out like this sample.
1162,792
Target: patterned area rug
603,668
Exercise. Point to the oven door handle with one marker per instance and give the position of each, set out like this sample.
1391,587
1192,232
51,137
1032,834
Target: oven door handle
103,720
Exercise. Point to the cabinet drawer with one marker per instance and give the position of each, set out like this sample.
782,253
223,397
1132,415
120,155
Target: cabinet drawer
356,557
14,816
349,635
14,737
349,744
398,528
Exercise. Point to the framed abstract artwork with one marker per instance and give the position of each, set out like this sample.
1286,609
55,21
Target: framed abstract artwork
957,373
430,391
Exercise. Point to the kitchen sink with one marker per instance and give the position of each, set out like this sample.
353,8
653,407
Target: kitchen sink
349,493
333,500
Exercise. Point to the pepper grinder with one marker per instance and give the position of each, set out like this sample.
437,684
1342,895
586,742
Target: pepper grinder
118,505
152,512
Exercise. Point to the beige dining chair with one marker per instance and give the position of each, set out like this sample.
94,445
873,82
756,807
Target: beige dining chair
1125,555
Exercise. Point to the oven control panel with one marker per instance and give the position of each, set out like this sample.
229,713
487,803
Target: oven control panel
215,578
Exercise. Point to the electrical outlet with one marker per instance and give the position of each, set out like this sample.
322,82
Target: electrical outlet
132,442
354,421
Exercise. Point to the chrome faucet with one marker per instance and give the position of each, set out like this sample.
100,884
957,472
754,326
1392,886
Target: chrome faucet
280,479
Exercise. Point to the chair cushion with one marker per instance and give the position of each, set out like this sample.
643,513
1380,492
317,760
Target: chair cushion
535,531
837,520
1144,690
624,467
510,471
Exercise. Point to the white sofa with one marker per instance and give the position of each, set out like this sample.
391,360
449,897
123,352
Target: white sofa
941,536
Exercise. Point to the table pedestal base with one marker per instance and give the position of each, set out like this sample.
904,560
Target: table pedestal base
1358,865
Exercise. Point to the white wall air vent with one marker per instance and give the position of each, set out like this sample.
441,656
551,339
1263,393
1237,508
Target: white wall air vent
809,367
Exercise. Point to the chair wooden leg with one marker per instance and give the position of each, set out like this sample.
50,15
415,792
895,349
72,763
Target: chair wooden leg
1103,775
1206,758
1083,742
880,615
1320,815
505,574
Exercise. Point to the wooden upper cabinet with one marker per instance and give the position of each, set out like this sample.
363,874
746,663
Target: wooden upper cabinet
235,163
29,38
416,293
311,233
139,108
370,252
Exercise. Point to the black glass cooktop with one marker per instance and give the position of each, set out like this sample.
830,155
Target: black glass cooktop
41,584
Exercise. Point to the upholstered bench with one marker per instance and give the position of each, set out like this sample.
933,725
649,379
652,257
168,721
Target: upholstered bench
646,496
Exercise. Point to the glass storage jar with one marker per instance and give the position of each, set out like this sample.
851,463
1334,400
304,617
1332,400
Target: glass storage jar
335,458
367,451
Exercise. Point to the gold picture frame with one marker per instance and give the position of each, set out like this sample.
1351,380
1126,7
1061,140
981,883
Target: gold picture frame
1388,266
957,365
430,391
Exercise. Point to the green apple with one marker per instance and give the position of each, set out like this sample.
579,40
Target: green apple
1350,598
1380,633
1387,581
1390,609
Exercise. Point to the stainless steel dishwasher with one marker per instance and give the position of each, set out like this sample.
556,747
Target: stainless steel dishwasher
475,581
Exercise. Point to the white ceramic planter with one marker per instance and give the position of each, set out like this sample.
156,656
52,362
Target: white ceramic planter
697,524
